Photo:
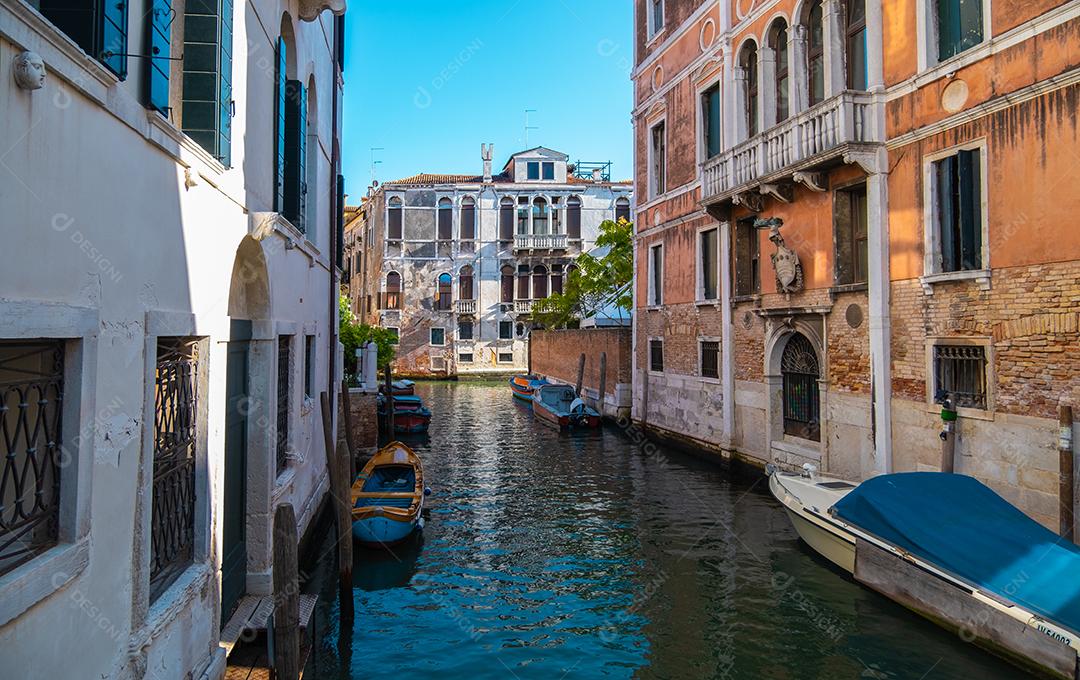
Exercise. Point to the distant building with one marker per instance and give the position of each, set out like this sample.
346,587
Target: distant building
455,263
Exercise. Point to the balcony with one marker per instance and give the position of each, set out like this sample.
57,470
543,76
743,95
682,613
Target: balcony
540,242
809,140
466,306
523,306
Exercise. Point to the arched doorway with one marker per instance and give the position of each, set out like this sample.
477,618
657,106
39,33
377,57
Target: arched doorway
801,372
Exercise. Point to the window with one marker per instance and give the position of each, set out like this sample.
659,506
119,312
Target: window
31,403
444,292
99,27
465,358
532,170
172,524
799,367
294,206
468,219
856,45
959,26
656,356
392,299
506,357
747,256
506,219
748,60
393,230
573,218
556,279
438,337
815,53
622,209
710,121
506,330
506,283
309,366
656,275
540,216
658,167
656,16
206,104
523,216
960,371
708,276
465,330
710,359
549,170
465,283
394,335
523,282
958,211
446,219
851,226
283,383
779,43
540,282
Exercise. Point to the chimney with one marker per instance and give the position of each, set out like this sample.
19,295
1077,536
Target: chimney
486,151
596,175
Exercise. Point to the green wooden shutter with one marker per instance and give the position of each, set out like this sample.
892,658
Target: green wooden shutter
970,209
960,26
111,42
712,121
225,100
301,160
339,213
946,213
279,130
295,129
207,93
158,35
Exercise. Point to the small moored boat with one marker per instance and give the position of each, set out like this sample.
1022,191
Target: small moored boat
410,414
400,388
560,406
523,386
388,496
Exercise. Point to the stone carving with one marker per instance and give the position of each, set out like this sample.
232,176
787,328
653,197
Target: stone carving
814,181
785,261
311,9
751,201
29,71
781,192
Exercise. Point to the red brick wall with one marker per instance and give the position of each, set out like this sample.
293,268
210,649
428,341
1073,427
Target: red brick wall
555,354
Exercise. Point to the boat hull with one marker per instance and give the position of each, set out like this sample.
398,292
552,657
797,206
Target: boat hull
381,531
827,538
388,496
563,421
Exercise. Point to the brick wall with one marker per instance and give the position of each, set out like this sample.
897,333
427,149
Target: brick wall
364,421
555,354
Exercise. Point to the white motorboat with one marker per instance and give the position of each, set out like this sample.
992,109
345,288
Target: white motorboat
807,498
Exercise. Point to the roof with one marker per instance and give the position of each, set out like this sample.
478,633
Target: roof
425,178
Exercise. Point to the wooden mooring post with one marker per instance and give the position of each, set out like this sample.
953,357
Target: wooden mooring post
1067,479
603,383
347,423
338,466
580,374
286,660
389,381
948,435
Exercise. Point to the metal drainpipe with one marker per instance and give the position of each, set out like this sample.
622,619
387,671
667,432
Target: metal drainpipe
335,211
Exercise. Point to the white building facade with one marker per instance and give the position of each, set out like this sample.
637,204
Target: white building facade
456,263
169,196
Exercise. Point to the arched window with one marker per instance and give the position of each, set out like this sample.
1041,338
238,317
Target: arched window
573,218
556,279
506,283
540,216
778,41
799,367
506,219
393,222
523,215
815,53
445,292
446,219
622,209
468,219
393,291
856,44
523,282
748,60
465,283
540,282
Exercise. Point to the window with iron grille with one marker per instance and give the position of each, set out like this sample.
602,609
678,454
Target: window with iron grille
309,366
465,358
710,359
802,405
656,356
31,400
283,392
960,371
176,413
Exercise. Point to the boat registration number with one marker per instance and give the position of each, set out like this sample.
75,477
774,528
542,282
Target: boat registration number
1053,632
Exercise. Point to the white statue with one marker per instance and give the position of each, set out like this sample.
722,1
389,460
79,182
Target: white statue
29,71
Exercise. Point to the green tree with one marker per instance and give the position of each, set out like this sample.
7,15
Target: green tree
354,335
596,282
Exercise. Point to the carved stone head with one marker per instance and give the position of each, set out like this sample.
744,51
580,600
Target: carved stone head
29,71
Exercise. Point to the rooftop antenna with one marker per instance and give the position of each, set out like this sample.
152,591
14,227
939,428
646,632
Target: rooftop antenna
373,161
529,127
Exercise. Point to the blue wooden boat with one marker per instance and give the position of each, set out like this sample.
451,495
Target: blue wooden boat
523,386
400,388
410,414
388,497
560,406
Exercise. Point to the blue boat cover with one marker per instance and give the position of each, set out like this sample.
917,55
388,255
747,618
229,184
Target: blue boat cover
965,529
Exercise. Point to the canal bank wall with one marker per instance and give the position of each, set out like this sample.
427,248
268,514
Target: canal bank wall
555,355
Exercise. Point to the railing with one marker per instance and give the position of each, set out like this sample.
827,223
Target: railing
466,306
815,132
540,242
523,306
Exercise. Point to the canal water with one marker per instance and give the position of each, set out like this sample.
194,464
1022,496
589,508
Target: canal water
591,556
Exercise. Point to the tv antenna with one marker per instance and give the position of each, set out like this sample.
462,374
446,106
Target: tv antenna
374,162
529,127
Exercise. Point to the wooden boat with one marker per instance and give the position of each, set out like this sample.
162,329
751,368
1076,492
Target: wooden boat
523,386
410,414
400,388
949,548
560,406
388,496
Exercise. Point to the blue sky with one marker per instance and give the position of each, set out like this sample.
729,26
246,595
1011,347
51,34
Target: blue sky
429,81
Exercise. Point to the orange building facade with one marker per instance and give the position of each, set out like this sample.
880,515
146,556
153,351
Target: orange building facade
849,211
